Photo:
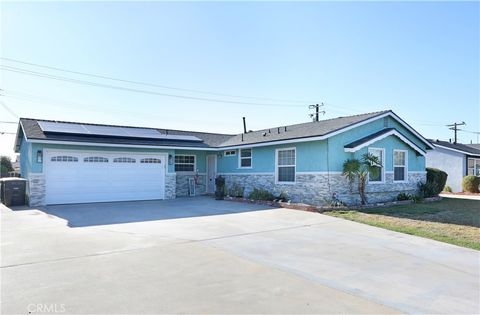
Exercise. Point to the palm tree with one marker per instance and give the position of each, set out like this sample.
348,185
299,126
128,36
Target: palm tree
359,170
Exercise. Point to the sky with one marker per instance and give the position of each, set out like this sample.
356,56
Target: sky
205,65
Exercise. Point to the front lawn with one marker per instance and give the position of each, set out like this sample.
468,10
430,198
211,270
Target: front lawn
454,221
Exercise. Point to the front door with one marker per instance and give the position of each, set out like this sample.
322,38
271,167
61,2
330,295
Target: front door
211,172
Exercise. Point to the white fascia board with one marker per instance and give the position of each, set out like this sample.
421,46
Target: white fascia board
20,127
455,150
95,144
380,137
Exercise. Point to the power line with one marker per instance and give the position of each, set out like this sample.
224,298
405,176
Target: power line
126,89
8,122
8,109
149,84
7,133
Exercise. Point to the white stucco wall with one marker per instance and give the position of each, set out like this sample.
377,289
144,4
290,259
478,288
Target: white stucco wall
451,162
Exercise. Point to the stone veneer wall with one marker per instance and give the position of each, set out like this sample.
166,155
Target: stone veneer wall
182,184
170,185
316,188
36,190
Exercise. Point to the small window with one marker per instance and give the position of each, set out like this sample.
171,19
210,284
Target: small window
184,163
64,158
399,165
473,166
123,160
150,161
230,153
379,153
95,159
286,166
246,158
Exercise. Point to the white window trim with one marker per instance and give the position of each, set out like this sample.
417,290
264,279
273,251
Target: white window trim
405,176
240,158
475,170
225,153
276,166
383,167
194,164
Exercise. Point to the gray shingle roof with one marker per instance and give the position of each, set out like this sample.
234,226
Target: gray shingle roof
467,149
210,140
305,130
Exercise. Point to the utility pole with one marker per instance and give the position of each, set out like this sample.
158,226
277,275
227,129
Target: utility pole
315,116
454,127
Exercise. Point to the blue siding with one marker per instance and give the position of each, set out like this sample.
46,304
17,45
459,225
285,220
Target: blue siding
25,159
415,163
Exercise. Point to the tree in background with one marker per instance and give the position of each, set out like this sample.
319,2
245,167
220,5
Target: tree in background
5,166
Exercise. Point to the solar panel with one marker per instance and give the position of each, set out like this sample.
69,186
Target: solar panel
49,126
130,132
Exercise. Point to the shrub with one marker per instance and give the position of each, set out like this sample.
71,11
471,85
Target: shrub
470,183
447,189
236,191
283,197
426,190
403,196
436,180
261,194
417,198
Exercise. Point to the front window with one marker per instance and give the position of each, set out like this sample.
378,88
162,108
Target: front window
378,177
230,153
184,163
473,166
399,165
286,166
246,158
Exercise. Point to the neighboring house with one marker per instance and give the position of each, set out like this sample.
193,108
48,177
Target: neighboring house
68,162
456,159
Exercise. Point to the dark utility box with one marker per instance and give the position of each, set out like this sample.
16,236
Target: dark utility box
13,191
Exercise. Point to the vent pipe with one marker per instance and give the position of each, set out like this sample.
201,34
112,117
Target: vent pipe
244,126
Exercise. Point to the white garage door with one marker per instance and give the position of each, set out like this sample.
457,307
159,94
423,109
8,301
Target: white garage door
76,177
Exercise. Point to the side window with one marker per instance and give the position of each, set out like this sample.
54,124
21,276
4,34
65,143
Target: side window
380,154
286,165
64,158
245,158
399,165
184,163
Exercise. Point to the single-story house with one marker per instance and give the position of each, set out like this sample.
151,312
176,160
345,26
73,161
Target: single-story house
69,162
456,159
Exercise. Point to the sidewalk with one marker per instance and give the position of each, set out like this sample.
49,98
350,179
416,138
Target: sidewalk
470,197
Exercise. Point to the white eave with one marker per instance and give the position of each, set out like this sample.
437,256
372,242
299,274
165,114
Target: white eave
382,136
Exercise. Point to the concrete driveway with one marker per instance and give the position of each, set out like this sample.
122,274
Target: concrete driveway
198,255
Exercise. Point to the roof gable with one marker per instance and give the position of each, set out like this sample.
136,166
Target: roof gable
374,137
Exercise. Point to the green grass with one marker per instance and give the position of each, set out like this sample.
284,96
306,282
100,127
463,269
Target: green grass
454,221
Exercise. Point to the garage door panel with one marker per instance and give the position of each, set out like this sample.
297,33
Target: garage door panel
96,181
